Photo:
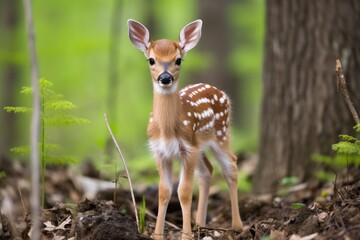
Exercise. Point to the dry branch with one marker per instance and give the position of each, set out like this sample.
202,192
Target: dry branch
342,87
126,170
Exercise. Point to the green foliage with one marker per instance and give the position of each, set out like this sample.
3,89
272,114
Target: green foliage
289,181
297,205
142,213
64,120
265,238
286,183
51,159
357,128
53,114
18,109
347,152
76,59
349,145
244,183
324,176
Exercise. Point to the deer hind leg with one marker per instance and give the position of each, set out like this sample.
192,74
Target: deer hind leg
203,171
165,189
228,162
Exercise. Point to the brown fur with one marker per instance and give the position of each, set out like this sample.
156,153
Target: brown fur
182,124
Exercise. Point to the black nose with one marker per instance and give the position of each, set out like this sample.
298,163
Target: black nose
165,78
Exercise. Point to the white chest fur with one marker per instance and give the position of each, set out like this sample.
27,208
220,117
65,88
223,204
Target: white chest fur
169,148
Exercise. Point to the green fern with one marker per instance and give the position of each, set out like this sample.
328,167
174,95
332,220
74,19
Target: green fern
349,145
347,148
59,105
64,120
54,113
347,152
18,109
357,128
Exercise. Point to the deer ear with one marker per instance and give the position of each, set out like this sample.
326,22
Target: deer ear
139,35
190,35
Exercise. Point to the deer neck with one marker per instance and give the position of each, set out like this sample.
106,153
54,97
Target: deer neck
167,113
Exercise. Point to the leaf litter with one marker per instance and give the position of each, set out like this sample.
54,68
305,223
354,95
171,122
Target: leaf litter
305,214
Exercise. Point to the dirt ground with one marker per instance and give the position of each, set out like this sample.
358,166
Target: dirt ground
311,210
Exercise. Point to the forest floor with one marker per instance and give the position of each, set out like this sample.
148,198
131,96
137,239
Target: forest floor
310,210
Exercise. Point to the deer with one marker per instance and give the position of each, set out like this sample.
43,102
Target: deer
183,124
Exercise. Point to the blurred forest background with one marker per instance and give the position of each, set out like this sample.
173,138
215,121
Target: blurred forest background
84,50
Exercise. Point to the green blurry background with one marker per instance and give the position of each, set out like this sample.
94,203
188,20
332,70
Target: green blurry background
75,42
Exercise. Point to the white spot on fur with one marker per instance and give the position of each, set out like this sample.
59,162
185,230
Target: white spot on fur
222,99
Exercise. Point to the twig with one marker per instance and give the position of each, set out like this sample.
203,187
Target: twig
150,214
213,229
126,170
22,199
341,85
35,126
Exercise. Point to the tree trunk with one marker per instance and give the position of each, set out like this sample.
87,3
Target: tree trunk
302,112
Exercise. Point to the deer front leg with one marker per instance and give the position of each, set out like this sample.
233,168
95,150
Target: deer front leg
165,189
185,191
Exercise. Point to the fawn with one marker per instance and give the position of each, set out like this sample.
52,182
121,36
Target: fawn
183,124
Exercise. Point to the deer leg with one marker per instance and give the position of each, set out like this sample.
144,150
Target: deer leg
165,189
228,162
185,191
203,171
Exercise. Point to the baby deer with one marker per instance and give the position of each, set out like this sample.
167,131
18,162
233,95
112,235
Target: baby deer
183,124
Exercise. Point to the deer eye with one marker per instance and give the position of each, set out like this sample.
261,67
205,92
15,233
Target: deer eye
151,61
178,61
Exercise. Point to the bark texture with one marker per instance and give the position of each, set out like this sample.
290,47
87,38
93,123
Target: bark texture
302,112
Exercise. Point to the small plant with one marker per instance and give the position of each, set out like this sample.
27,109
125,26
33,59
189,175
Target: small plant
347,153
286,183
297,205
289,181
142,213
54,113
349,146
